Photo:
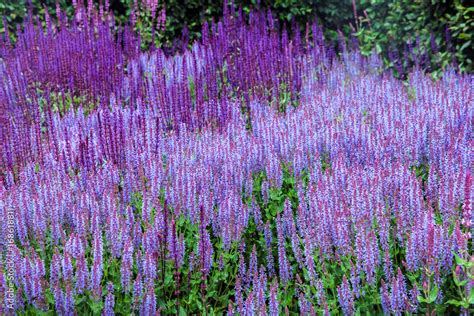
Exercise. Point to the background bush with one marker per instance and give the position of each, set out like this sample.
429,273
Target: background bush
432,33
440,32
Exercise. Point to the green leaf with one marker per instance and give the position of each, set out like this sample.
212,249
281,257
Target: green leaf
96,307
357,313
433,295
459,260
454,302
465,45
459,283
49,297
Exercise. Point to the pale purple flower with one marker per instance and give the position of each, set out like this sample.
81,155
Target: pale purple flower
109,301
273,305
346,298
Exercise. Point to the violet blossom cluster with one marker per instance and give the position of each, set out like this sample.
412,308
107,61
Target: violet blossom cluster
173,126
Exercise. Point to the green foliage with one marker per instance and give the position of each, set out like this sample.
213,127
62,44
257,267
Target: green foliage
330,13
462,275
15,11
386,26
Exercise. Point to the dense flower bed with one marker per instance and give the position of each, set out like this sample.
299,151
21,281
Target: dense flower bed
255,173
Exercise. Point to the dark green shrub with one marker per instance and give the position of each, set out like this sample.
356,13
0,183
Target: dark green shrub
438,31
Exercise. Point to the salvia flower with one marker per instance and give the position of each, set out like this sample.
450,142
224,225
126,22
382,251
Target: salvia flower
148,306
398,294
97,267
385,298
137,291
109,301
126,265
82,274
346,298
149,268
273,305
285,268
69,300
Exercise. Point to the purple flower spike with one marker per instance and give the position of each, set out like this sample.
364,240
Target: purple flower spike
148,306
273,304
109,301
346,298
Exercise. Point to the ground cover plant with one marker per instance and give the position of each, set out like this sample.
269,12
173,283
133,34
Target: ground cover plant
256,172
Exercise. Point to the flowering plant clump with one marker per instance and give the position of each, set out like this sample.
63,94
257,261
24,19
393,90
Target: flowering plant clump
256,172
